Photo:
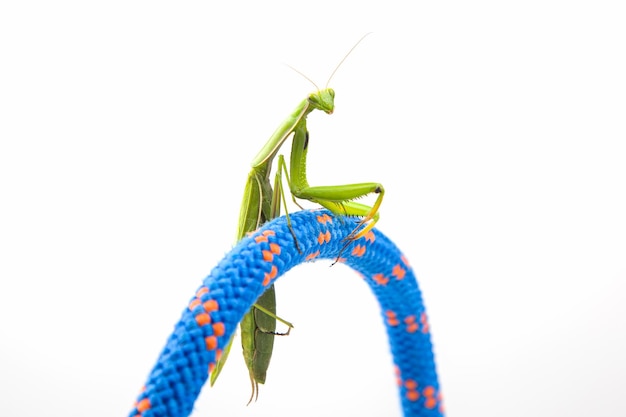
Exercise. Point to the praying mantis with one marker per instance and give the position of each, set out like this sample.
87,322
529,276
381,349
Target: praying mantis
261,203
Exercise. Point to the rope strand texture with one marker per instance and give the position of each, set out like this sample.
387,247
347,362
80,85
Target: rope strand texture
256,262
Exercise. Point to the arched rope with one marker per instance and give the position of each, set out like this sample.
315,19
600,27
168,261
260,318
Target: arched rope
238,280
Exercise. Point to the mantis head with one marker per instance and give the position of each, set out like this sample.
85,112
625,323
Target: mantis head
323,100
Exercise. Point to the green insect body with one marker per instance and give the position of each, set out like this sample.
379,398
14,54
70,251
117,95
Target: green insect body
261,203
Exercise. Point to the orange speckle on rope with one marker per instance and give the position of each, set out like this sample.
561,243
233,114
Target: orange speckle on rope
203,319
211,342
263,236
275,248
380,279
392,320
323,237
413,395
396,371
370,236
431,400
312,256
201,291
211,367
424,321
269,276
194,303
358,250
219,329
143,405
268,256
324,218
398,272
210,305
411,325
410,384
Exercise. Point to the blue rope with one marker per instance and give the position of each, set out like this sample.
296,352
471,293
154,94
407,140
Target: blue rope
255,263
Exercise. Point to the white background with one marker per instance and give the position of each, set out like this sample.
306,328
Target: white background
497,129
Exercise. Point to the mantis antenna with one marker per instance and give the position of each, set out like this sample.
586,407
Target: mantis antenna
344,58
305,77
336,68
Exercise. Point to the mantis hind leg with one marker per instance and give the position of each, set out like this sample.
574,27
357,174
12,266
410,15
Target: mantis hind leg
263,310
279,193
260,325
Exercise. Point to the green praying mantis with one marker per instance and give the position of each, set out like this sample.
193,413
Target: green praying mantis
261,203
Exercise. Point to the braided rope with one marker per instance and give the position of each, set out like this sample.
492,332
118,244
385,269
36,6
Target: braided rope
241,277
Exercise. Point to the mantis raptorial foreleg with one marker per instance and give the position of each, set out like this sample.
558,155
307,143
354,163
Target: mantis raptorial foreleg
336,198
